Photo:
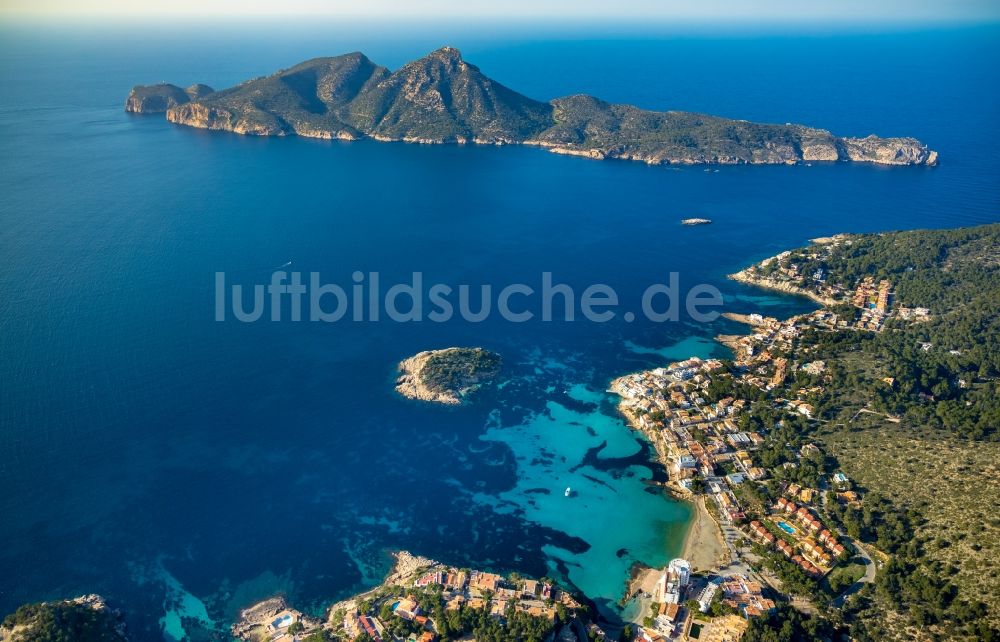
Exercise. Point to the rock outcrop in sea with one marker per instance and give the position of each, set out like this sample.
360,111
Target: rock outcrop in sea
446,376
441,98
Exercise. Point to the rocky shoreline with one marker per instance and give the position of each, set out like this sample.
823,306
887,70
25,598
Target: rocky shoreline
259,618
446,376
873,149
442,99
748,278
415,595
410,385
23,625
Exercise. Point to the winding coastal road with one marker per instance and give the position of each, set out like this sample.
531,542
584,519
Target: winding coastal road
867,578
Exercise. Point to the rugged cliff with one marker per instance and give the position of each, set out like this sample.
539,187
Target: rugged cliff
157,99
441,98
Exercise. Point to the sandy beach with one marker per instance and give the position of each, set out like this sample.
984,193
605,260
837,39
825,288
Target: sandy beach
703,544
703,548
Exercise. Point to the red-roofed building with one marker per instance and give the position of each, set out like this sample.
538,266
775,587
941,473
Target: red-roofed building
369,626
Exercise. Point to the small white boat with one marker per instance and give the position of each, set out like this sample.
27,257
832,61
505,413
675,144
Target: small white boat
569,492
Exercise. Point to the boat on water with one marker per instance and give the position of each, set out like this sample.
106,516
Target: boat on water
696,221
569,492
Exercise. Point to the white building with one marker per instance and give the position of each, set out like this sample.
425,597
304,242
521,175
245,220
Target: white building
673,581
681,570
707,595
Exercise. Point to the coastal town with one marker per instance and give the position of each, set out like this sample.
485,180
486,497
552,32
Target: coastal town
783,544
773,529
699,415
422,600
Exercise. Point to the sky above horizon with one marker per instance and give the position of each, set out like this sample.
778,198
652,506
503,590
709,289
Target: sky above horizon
852,11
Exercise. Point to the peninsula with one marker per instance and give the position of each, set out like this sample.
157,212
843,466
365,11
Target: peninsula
421,599
87,618
440,98
446,376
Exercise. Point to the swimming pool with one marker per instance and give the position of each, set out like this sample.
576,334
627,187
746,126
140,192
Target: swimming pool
785,527
281,622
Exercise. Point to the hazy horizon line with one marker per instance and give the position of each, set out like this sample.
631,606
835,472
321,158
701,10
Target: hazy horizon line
626,24
681,12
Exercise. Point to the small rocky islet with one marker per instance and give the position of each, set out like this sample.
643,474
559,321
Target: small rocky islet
448,376
441,98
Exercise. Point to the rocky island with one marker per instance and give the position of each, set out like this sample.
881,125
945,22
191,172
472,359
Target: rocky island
446,376
441,98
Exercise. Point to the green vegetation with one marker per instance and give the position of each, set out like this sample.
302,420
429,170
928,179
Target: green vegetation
842,577
463,622
794,580
442,98
463,103
456,369
590,123
61,622
515,626
945,372
786,624
518,626
911,415
942,566
151,99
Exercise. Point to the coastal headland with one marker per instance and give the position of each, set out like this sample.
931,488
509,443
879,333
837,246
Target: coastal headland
422,599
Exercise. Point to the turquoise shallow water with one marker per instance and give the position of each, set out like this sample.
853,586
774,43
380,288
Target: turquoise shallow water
185,467
609,506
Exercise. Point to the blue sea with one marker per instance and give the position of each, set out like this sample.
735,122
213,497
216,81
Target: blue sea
185,467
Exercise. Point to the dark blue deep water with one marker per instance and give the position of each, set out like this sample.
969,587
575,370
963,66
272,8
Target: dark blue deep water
185,468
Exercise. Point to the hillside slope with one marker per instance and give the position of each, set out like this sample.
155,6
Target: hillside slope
441,98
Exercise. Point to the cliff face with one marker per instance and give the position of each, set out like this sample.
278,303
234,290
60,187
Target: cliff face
888,151
157,99
441,98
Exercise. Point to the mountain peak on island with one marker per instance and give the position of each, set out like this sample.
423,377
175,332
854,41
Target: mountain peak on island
446,53
441,98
